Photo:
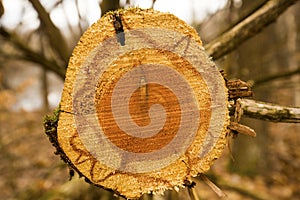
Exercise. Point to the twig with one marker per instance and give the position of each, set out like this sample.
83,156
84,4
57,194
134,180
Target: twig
246,29
269,112
239,128
215,188
192,193
239,188
191,189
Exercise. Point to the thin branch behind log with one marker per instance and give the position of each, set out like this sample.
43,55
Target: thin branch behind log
56,39
246,29
276,76
29,55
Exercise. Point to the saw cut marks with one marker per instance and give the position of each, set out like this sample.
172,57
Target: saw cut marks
144,106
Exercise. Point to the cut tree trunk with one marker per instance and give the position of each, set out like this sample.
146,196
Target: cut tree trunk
143,108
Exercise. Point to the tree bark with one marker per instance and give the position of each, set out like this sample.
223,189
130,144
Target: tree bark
269,112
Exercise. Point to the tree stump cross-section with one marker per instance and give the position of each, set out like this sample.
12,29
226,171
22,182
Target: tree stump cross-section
143,107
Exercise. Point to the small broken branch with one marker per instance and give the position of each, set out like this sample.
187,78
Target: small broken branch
213,186
239,128
246,29
238,89
193,194
269,112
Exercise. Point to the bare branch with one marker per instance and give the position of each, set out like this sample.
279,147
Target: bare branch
214,187
246,29
32,56
276,76
269,112
54,35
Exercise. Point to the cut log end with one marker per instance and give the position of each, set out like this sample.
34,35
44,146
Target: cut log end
143,106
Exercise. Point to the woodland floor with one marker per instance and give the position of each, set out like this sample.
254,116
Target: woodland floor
30,170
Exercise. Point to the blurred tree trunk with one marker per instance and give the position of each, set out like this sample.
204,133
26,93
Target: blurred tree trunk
1,8
109,5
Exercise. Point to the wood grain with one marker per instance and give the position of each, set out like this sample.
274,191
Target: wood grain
143,106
